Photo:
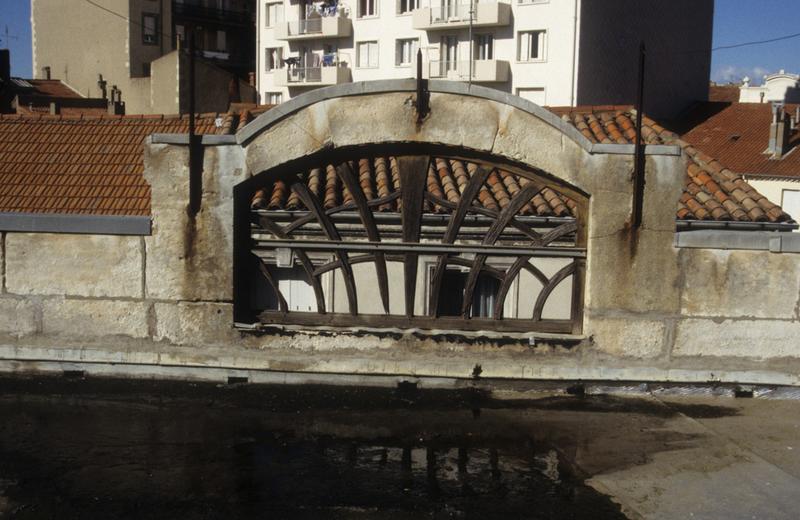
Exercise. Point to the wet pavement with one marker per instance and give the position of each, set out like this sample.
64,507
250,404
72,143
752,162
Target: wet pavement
93,448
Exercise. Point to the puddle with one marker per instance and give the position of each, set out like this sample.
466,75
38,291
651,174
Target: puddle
113,449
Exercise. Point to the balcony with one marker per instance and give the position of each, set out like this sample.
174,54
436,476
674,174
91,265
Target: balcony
483,71
314,28
311,76
456,15
195,11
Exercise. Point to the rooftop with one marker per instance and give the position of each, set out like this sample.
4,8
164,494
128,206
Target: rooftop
739,133
94,165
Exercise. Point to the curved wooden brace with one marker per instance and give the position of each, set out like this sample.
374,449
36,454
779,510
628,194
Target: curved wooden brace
330,231
413,170
308,267
560,231
336,264
453,227
302,221
282,306
345,172
515,204
559,277
528,231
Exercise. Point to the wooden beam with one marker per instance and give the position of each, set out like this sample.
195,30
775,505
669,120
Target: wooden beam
308,267
313,205
345,172
413,172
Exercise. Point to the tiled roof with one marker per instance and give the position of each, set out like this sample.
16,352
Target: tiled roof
379,177
53,88
80,165
723,93
712,192
739,132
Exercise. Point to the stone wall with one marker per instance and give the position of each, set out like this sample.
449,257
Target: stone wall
162,304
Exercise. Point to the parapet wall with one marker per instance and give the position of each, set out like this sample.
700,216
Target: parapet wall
163,304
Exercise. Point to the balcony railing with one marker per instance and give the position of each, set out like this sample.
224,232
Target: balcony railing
196,10
313,28
312,76
482,70
300,27
452,12
458,14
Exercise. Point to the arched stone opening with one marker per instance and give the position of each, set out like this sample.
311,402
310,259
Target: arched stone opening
410,236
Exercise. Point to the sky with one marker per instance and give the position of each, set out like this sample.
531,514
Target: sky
735,21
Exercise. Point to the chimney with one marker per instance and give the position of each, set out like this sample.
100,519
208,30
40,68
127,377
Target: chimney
115,105
779,131
5,65
46,72
54,108
101,84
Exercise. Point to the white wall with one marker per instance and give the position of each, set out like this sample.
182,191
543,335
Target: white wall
553,75
785,192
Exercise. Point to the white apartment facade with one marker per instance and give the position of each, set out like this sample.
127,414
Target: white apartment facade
536,49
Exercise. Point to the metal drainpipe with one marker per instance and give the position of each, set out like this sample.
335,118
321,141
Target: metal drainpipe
471,4
573,94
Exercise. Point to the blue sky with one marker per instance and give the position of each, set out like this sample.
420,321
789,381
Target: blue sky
735,21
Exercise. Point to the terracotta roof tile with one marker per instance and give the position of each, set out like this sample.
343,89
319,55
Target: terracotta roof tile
711,190
80,164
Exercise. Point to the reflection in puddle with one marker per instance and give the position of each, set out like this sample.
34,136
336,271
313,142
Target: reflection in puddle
76,450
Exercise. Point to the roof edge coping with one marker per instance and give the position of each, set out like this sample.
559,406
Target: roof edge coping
244,135
75,224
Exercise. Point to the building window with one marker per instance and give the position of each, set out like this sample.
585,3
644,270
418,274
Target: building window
406,52
367,8
149,29
180,34
484,47
273,58
483,298
273,98
293,285
531,46
406,6
367,57
222,41
273,14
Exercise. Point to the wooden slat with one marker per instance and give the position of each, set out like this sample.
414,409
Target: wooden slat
313,205
442,324
557,278
522,197
282,306
576,310
413,172
345,172
308,267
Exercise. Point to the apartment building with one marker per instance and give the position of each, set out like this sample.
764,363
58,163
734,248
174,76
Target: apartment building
552,52
133,45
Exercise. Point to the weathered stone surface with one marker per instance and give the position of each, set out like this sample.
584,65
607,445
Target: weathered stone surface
305,132
17,316
200,324
525,138
762,339
77,265
627,337
189,258
640,276
94,318
756,284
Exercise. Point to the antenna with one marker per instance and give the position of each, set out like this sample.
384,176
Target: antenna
7,37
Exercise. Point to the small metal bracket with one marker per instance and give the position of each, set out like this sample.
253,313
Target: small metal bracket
422,103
